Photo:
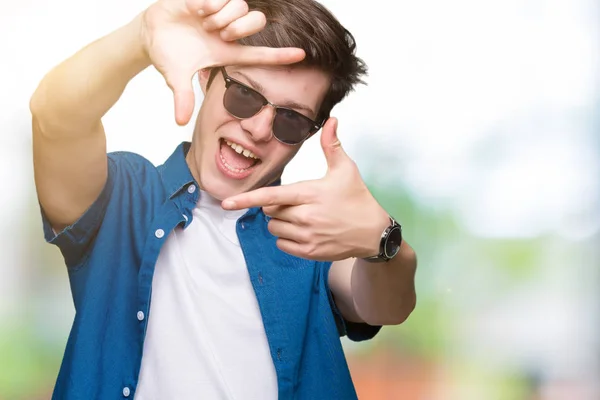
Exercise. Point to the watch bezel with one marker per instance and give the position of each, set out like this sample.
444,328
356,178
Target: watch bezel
395,227
382,256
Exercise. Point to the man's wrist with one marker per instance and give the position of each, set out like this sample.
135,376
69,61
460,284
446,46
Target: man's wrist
380,223
140,54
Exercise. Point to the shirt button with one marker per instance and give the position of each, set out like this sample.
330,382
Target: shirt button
159,233
185,217
140,315
191,189
126,391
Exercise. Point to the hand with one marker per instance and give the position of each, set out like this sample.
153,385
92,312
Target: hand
329,219
184,36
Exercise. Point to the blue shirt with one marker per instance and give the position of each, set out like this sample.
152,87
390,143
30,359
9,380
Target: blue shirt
111,251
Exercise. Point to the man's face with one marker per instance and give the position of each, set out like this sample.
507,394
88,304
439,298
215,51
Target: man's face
219,164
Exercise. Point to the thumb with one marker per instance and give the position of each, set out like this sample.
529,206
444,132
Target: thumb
332,147
183,94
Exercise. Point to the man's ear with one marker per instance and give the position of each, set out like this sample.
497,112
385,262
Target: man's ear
203,77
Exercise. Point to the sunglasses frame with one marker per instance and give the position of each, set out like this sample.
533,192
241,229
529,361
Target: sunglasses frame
229,81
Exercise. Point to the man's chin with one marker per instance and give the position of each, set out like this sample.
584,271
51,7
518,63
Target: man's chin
222,190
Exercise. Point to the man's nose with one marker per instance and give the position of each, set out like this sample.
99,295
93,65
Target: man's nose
260,126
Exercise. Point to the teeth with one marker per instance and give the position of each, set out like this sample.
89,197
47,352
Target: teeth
241,150
229,167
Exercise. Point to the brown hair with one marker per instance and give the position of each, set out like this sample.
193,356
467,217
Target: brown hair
310,26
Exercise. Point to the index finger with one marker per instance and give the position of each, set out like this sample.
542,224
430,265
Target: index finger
239,54
268,196
247,25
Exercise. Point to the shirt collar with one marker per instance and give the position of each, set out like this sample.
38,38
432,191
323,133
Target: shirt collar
175,172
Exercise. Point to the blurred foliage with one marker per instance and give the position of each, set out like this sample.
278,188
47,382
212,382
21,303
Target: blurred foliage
446,252
29,363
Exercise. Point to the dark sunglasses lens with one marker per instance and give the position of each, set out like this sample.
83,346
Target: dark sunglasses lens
242,102
291,127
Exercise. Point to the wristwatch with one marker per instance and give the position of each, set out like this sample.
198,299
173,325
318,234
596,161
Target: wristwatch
389,246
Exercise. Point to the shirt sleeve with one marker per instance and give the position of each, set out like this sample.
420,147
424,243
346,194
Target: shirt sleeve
77,240
355,331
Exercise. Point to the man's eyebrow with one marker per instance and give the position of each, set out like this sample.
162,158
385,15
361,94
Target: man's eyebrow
289,103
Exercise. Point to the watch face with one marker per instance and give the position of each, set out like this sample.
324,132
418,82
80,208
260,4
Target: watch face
392,244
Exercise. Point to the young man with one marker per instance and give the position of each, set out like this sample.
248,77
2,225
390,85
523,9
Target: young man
204,278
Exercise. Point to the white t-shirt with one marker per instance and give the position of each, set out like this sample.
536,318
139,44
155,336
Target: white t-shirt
205,337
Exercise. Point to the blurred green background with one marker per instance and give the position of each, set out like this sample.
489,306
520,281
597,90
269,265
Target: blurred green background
479,131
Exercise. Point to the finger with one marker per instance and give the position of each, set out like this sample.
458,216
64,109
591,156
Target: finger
287,230
254,55
332,147
267,196
248,25
183,94
251,23
299,215
205,7
284,213
290,247
300,250
274,211
232,11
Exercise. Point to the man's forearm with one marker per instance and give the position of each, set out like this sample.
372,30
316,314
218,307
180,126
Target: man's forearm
384,293
77,93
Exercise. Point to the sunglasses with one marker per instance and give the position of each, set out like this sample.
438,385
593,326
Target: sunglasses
289,126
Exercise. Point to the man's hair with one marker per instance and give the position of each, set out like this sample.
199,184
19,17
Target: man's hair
329,46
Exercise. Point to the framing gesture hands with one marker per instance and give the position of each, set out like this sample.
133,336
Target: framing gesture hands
182,37
325,219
